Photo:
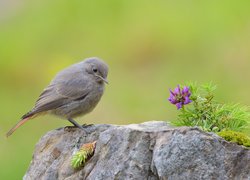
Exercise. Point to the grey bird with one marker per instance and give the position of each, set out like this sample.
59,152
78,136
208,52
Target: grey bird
74,91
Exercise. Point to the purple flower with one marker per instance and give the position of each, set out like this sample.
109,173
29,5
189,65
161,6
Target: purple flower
180,97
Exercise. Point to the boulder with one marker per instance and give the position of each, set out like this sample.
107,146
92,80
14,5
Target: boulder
151,150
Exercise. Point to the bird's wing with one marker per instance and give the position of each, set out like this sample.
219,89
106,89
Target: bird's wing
59,94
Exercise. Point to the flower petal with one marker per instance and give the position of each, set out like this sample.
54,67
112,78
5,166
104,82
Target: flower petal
187,100
177,90
185,90
171,92
172,100
179,105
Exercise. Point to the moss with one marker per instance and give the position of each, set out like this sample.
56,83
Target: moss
236,137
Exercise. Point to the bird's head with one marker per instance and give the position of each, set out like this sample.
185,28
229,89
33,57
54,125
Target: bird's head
97,69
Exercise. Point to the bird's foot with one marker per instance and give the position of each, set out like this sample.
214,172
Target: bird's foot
87,125
73,128
69,128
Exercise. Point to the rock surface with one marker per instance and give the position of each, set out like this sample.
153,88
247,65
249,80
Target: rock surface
151,150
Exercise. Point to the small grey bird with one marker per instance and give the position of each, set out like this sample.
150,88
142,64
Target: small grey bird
74,91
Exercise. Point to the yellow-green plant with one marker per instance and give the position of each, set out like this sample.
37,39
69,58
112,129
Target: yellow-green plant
85,152
237,137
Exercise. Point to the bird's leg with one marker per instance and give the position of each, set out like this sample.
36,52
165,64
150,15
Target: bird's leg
75,123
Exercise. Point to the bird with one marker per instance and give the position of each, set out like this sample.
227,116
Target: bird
74,91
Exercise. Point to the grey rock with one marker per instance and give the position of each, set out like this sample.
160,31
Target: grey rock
151,150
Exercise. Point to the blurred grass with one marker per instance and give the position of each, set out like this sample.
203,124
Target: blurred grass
149,46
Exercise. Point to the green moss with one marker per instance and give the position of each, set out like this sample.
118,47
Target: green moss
236,137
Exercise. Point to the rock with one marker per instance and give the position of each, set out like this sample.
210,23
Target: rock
151,150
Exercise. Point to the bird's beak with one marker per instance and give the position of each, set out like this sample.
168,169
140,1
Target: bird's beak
104,80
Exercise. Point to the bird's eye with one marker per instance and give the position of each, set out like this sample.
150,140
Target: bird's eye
94,70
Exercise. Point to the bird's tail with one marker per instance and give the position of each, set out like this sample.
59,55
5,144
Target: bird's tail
21,122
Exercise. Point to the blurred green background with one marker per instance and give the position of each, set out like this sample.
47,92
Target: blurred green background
150,46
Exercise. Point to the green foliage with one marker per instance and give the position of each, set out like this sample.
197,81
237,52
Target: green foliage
79,158
236,137
210,115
